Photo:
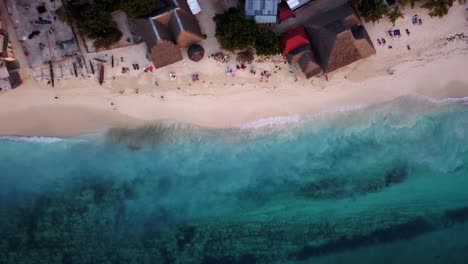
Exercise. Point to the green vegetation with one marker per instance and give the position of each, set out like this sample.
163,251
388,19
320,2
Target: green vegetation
94,20
374,10
394,14
246,56
235,32
371,10
438,8
137,8
267,42
411,3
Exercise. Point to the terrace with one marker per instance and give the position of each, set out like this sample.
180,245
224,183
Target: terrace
44,38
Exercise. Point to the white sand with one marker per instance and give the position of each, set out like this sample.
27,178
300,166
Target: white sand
433,67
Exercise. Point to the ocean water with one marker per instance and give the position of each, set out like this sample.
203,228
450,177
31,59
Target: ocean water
379,184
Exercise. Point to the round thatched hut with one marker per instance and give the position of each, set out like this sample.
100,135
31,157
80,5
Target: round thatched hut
195,52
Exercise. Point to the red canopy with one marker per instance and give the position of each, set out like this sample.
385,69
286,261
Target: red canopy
293,39
285,12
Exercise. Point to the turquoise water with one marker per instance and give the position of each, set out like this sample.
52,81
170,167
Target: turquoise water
382,184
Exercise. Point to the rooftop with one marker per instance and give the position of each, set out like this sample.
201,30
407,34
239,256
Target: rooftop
43,36
263,11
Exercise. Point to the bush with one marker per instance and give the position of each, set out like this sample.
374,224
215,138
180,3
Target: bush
138,8
266,42
94,20
235,32
246,56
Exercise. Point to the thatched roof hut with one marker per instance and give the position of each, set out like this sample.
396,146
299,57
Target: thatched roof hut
164,53
195,52
343,40
167,30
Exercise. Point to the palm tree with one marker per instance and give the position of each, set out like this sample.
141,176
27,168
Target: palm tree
412,3
371,10
394,14
438,8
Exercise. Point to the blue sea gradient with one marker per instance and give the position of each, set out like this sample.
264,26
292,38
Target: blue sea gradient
381,184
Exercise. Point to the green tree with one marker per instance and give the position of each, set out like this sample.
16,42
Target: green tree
234,31
93,20
438,8
371,10
394,14
138,8
100,26
411,3
267,42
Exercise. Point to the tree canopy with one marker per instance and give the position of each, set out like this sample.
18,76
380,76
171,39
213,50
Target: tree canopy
94,20
371,10
374,10
235,31
137,8
394,14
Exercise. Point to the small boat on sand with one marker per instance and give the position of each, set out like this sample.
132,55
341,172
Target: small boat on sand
101,74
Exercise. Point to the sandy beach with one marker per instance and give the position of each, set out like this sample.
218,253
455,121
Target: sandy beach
436,66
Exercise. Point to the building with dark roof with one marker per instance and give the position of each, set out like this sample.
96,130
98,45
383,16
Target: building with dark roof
337,38
166,32
342,38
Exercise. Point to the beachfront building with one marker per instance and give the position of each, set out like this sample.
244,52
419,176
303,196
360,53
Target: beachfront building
170,29
343,39
335,34
262,11
9,66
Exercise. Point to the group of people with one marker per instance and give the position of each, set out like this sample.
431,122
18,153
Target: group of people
396,33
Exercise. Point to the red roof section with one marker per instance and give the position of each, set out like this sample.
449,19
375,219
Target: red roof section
285,12
293,39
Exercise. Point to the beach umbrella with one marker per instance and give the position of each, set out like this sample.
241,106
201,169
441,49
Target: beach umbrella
195,52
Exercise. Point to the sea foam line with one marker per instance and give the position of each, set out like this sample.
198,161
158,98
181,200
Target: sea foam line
442,101
32,139
291,120
272,122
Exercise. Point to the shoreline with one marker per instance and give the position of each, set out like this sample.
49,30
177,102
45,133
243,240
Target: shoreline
57,118
435,68
88,130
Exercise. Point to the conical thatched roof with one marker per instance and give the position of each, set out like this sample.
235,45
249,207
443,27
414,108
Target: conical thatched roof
195,52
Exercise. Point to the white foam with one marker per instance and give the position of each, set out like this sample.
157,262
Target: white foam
292,120
442,101
342,109
457,100
274,121
46,140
